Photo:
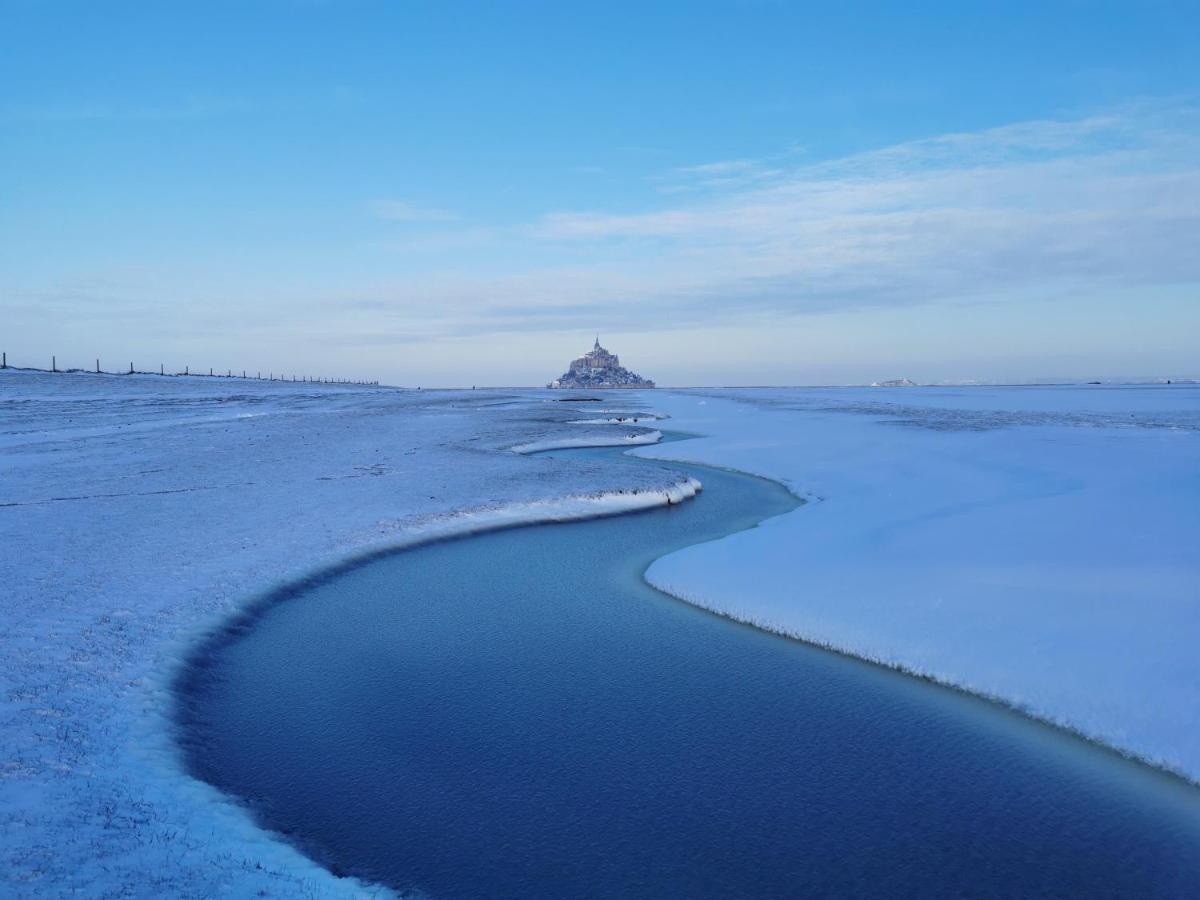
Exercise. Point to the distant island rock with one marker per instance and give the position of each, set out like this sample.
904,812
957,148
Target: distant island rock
599,369
895,382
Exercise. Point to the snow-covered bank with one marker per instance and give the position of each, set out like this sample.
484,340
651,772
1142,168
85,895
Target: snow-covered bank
627,419
595,440
1036,545
537,512
138,512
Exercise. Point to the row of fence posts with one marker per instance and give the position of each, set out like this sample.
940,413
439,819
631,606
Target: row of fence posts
229,373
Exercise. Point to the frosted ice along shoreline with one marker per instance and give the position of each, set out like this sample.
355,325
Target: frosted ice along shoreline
1030,545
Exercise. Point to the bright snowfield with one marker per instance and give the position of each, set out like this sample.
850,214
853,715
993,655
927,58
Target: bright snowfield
136,511
1034,544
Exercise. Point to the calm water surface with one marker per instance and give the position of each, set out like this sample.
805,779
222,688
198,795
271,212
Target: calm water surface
518,714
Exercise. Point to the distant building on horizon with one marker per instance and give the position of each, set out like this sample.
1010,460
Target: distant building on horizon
599,369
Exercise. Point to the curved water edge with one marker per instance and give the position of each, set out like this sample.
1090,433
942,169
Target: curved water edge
208,670
892,665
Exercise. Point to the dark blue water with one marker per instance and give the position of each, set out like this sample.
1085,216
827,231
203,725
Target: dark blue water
518,715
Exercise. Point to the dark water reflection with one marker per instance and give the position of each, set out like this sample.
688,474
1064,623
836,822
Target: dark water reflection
519,715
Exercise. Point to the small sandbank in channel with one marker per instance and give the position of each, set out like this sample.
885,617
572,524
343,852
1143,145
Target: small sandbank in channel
518,713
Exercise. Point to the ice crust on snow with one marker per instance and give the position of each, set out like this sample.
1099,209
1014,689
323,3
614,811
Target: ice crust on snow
1032,544
137,512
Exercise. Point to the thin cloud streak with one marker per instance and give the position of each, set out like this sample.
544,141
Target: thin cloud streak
1034,209
1107,199
1046,209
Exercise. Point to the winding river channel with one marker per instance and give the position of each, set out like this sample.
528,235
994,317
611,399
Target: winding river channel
518,714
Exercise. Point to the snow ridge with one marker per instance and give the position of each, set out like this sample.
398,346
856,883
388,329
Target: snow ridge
536,512
647,437
615,420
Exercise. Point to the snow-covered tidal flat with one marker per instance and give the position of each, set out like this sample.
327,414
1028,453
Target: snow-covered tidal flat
1037,545
1031,544
138,512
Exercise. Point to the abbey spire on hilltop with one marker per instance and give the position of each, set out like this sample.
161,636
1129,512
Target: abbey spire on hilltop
599,369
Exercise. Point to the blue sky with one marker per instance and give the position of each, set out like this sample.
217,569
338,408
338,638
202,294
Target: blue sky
744,192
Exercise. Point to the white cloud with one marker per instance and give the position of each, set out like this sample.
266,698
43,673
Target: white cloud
1036,209
1046,205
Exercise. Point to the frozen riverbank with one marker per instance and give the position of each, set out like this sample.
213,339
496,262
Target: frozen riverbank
135,512
1031,544
516,715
